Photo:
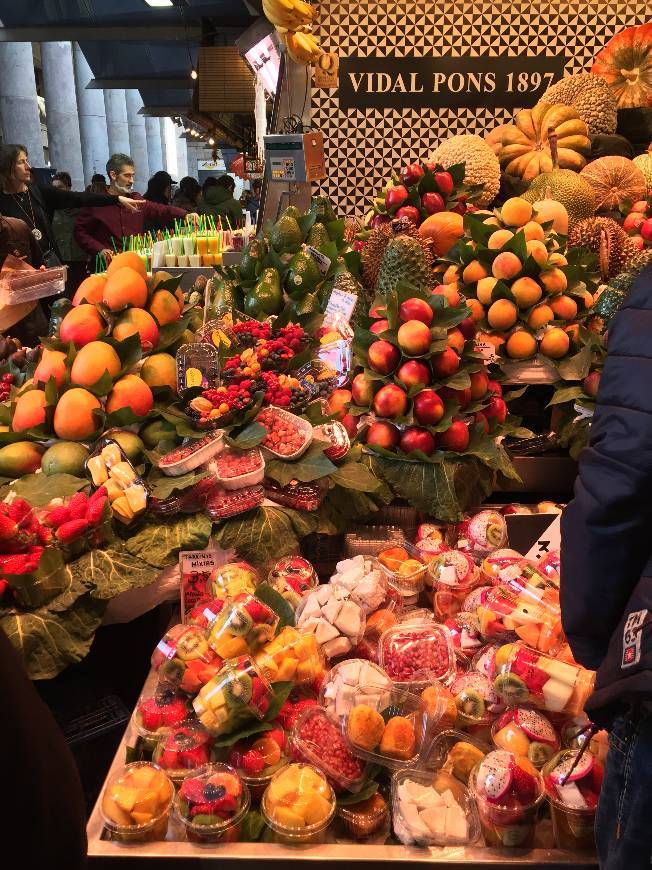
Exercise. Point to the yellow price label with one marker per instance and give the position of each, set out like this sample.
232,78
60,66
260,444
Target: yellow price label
193,378
220,337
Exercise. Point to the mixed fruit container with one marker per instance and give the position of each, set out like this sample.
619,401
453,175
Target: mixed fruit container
301,713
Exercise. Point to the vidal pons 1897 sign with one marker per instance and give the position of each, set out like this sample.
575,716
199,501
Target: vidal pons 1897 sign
446,82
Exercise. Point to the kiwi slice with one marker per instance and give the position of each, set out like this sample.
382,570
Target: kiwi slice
240,623
206,819
470,704
512,689
539,753
238,691
172,671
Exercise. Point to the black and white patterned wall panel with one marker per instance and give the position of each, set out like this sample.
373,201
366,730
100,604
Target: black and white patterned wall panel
364,145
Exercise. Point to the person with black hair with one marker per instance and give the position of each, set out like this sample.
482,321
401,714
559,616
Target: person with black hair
98,184
218,201
253,203
159,190
63,229
188,194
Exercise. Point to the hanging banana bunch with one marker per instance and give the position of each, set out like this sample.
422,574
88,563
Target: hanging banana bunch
292,19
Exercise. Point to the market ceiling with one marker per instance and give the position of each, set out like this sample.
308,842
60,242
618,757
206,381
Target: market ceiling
130,44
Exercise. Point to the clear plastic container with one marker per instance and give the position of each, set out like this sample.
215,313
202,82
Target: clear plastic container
292,577
338,437
424,815
184,659
483,532
365,580
232,578
257,758
550,565
365,818
243,626
323,376
451,575
316,740
441,708
109,466
291,655
404,567
393,736
186,748
371,540
211,805
236,695
191,455
333,617
298,805
573,799
205,612
465,632
351,682
508,805
417,654
528,615
198,365
136,802
492,565
237,469
157,713
477,703
528,677
221,504
419,614
285,422
456,753
526,731
296,494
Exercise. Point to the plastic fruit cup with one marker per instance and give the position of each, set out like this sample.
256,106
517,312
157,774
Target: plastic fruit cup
404,568
184,750
365,818
164,698
226,831
301,790
573,827
537,741
316,740
148,831
506,826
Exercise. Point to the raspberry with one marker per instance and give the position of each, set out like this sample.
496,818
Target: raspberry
58,516
78,505
95,510
253,762
524,784
8,528
72,530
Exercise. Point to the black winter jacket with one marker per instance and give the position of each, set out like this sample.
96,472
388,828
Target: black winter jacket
606,564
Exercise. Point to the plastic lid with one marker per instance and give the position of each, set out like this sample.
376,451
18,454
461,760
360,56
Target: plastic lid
475,697
136,797
404,566
453,569
507,782
417,653
354,681
298,801
244,624
232,464
185,748
159,712
316,740
445,741
204,614
212,798
573,780
233,577
238,689
182,642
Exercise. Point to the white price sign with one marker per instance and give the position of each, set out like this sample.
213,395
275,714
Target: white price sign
341,306
487,350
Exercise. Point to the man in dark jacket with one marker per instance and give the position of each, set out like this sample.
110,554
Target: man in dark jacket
219,202
606,586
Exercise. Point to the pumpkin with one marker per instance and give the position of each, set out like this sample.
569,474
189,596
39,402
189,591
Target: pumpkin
444,229
614,180
625,63
494,138
644,163
525,150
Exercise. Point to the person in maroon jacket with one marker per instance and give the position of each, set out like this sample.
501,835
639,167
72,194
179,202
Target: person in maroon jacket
97,228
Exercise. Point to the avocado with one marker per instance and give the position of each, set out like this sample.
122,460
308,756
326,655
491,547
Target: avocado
318,236
156,431
252,258
292,211
267,296
65,457
225,293
325,211
286,236
304,275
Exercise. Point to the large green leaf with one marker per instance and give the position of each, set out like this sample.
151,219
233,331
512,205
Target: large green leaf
576,368
312,465
260,536
355,475
162,486
159,544
111,571
566,394
40,489
250,436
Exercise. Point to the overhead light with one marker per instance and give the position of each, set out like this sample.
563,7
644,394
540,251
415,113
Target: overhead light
194,74
158,4
211,141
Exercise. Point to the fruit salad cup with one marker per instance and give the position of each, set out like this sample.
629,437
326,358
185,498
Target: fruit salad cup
482,532
425,815
477,704
550,565
136,803
441,708
337,621
316,740
243,626
417,654
292,577
528,677
573,789
351,682
456,753
405,568
496,562
211,804
258,758
159,713
508,791
525,731
298,805
237,694
393,736
204,614
451,576
183,750
364,577
365,818
183,659
465,632
292,655
230,579
507,615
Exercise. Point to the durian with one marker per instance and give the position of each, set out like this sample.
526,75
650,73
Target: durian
378,240
406,260
605,238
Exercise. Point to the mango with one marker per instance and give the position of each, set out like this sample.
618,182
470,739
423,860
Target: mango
156,431
127,258
136,320
51,365
65,457
74,416
81,325
130,392
124,287
164,307
160,370
92,361
29,411
130,443
19,458
90,290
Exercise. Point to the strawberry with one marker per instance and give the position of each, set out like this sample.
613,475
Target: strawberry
8,528
174,712
195,757
253,762
168,759
259,612
150,713
34,557
258,690
192,790
72,530
44,536
262,706
77,506
58,516
99,494
285,715
18,564
19,509
202,810
524,784
95,509
278,736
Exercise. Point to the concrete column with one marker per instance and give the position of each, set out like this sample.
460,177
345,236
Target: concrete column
19,111
182,153
164,147
137,139
92,119
154,145
61,111
117,127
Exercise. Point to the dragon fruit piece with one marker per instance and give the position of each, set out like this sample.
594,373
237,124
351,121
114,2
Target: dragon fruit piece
477,683
454,568
536,726
485,662
475,599
584,767
495,775
486,531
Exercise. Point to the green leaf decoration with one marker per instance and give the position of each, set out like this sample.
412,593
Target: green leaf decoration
282,692
101,387
129,350
171,332
250,731
40,489
355,475
566,394
250,436
159,544
179,420
366,792
268,595
259,536
576,368
47,582
124,417
252,827
459,381
162,487
111,571
311,466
